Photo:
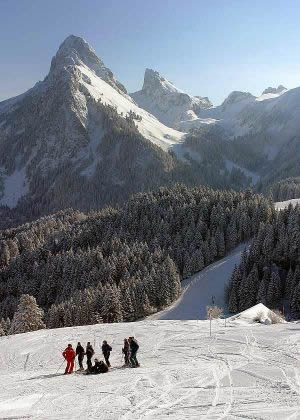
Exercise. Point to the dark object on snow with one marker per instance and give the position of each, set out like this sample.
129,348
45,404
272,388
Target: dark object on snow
106,349
69,355
125,351
99,367
133,345
80,354
89,354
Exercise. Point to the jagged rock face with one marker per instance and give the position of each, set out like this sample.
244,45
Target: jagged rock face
277,90
76,51
168,103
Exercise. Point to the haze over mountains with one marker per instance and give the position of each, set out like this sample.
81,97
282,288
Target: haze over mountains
79,139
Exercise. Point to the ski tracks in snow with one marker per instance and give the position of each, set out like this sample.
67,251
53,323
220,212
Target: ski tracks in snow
242,372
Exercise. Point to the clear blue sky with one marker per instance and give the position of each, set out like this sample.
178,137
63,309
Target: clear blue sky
206,48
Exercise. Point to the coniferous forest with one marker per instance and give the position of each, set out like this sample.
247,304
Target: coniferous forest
270,271
123,263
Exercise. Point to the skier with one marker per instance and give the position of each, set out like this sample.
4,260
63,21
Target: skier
125,351
80,354
133,345
106,349
69,355
99,367
89,354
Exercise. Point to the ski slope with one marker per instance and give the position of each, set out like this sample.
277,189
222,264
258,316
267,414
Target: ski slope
241,372
280,205
202,289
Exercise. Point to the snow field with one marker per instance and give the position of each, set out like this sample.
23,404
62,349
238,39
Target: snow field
280,205
241,372
149,127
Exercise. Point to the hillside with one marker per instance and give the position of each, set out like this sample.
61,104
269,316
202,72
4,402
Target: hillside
123,264
270,271
241,371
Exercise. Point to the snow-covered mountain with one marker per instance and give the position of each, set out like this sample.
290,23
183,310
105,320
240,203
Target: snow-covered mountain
78,139
242,113
276,91
168,103
272,115
69,126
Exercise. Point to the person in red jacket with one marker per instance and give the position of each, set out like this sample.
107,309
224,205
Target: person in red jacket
69,354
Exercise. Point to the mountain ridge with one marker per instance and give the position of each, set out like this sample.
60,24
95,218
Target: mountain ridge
78,139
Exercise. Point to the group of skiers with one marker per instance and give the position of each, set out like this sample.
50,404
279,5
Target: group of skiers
129,351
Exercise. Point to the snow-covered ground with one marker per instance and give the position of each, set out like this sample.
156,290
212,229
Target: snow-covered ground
202,289
241,372
280,205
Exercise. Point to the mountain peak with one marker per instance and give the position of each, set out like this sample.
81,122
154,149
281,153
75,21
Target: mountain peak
169,104
75,51
277,90
73,42
153,80
237,96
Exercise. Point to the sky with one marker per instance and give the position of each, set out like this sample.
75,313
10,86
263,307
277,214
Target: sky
207,48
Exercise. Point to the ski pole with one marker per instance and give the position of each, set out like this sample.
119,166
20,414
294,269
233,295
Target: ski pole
59,367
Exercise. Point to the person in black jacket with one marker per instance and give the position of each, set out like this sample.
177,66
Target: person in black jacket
133,346
106,349
89,354
99,367
80,354
125,351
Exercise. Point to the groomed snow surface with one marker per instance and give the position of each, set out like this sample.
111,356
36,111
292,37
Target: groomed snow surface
240,372
280,205
204,288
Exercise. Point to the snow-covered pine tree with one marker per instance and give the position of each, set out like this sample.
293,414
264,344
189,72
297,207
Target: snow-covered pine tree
289,284
274,290
197,261
295,302
28,317
248,289
263,287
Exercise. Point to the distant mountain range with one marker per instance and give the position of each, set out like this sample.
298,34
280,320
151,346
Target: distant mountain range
78,139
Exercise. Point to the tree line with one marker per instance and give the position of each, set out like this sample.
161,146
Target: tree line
285,189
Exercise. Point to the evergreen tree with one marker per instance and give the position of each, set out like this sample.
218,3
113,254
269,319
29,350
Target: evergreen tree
263,287
28,317
274,290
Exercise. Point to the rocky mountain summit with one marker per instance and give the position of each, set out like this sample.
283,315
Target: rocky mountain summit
75,51
168,103
279,89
